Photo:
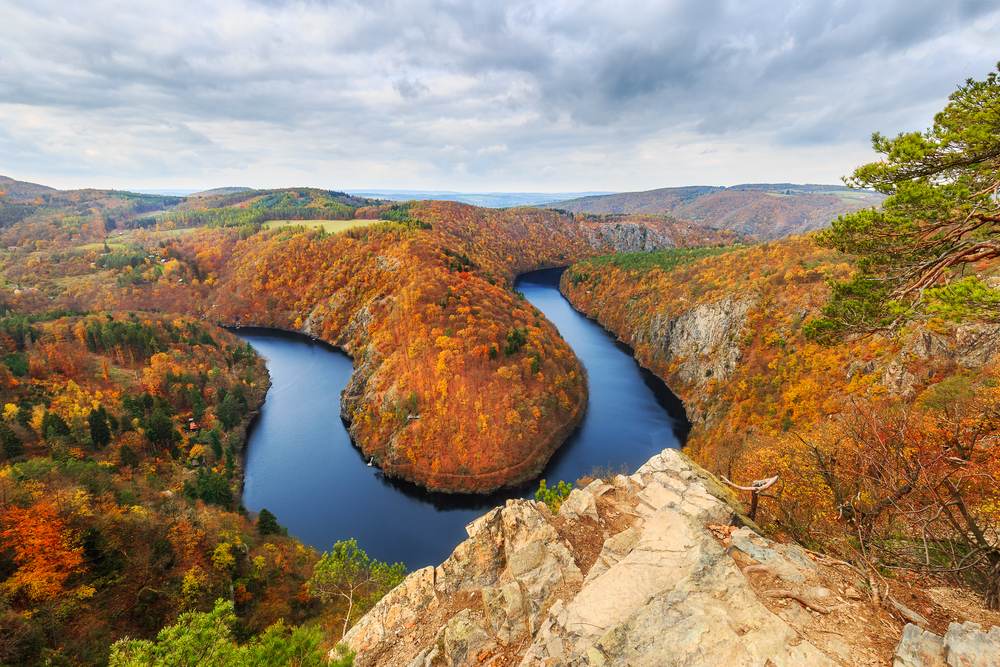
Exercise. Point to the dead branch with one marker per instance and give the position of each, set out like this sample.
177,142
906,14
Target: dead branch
756,486
804,600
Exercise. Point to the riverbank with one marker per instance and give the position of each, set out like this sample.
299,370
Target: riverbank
303,466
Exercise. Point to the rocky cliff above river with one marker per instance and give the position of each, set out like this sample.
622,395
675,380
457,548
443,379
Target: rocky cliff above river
656,568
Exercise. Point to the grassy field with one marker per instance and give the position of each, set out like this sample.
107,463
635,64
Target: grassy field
172,233
329,226
99,245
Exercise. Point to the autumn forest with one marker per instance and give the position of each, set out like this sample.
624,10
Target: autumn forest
857,360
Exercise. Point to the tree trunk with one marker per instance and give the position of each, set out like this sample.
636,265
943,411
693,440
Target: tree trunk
991,596
347,619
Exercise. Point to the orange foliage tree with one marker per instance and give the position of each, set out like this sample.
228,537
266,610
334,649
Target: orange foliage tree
44,549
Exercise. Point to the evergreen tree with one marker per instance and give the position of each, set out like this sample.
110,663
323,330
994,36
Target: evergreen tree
127,458
348,574
54,426
100,431
207,638
230,410
11,443
917,256
160,429
267,523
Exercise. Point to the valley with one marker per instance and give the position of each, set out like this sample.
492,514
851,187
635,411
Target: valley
459,382
302,465
517,334
255,410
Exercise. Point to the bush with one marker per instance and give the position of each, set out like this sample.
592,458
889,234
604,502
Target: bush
554,496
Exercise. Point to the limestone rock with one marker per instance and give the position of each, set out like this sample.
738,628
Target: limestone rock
919,648
705,339
786,561
675,599
499,580
662,590
578,505
627,237
963,645
458,643
968,645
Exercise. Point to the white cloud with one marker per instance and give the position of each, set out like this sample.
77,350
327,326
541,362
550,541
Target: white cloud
477,96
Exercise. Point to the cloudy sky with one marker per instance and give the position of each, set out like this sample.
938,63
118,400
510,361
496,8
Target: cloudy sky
551,95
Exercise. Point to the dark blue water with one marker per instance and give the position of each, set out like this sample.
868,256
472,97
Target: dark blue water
302,466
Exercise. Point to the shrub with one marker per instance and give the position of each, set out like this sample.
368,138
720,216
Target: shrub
554,496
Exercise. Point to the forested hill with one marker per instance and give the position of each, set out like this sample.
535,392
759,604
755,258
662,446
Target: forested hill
55,215
21,190
762,210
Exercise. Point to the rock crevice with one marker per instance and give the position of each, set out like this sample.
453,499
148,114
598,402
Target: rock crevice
629,572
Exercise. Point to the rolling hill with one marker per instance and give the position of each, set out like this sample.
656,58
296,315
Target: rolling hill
761,210
20,191
484,199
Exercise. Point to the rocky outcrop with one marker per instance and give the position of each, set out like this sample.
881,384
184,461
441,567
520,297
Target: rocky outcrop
703,342
962,348
963,645
642,233
637,570
627,237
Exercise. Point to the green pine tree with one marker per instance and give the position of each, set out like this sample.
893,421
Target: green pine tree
917,256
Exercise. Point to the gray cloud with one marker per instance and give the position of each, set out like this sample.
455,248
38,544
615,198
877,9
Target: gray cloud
471,95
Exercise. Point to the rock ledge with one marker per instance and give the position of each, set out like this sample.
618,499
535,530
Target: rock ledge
638,570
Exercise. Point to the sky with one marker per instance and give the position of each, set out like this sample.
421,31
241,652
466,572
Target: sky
473,96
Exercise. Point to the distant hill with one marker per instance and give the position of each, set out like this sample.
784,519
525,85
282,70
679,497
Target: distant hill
63,214
762,210
60,213
22,190
484,199
220,191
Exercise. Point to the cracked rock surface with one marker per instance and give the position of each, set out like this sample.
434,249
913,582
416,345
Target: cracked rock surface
629,572
963,645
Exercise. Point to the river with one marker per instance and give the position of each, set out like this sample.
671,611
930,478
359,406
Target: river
301,465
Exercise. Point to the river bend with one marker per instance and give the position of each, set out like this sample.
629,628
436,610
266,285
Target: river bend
301,465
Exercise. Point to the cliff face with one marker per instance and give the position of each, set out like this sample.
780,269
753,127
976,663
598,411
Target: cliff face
627,237
692,346
641,233
702,345
726,334
640,570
